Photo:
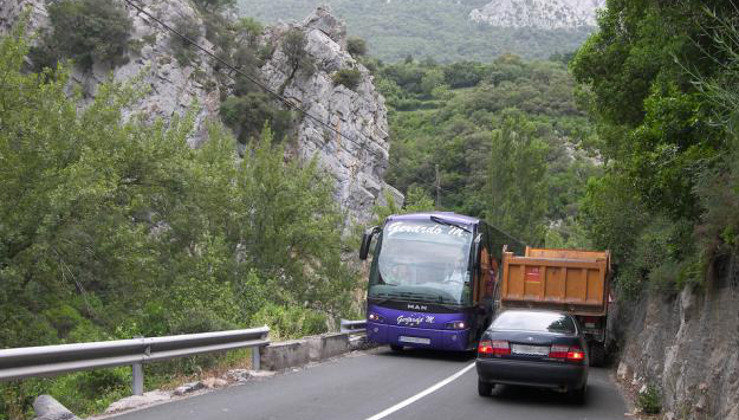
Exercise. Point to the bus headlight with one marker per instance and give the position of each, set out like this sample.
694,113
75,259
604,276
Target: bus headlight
456,325
374,317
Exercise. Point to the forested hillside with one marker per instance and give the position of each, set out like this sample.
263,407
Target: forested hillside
504,136
441,29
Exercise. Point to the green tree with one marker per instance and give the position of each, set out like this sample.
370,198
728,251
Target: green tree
112,227
86,31
294,45
517,184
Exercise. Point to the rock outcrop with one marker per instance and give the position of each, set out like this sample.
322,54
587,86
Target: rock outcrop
357,158
542,14
685,345
47,408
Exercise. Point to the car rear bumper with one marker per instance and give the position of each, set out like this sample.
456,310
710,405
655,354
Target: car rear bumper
449,340
561,376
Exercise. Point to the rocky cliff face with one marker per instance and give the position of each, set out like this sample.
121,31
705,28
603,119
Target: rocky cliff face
686,346
357,165
173,89
542,14
358,157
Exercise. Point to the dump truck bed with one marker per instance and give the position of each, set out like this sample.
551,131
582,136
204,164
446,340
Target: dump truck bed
576,281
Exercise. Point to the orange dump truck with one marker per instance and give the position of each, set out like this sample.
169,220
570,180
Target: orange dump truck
573,281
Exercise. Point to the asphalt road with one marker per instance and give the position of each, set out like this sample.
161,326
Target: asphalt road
381,384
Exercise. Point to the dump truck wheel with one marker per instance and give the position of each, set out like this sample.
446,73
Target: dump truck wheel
597,355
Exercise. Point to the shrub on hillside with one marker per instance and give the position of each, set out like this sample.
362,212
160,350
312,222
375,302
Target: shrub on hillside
347,77
86,31
356,46
214,5
294,45
246,116
183,50
650,401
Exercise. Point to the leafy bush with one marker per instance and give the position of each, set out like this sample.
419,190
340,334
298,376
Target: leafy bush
347,77
86,31
288,322
650,401
356,46
214,5
246,116
112,227
183,50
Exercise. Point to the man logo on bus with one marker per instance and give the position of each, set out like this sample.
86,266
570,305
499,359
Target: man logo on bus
418,307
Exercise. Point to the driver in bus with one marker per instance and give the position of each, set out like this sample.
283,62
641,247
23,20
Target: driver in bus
400,274
458,274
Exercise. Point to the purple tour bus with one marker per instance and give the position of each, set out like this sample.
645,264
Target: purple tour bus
433,280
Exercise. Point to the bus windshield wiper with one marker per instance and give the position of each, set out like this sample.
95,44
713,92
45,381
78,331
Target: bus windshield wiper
441,221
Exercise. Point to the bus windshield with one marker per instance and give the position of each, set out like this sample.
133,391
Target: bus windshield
422,261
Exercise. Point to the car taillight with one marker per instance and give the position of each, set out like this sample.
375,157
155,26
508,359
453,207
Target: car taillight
494,347
569,353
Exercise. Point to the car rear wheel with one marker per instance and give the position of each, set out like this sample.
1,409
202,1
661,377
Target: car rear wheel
483,388
396,348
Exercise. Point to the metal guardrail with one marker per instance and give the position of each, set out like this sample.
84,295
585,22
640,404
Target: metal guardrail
25,362
348,326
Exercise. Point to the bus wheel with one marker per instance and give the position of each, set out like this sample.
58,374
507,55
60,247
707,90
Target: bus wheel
597,354
396,348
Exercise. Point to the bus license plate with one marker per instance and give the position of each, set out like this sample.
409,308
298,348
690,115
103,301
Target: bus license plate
416,340
531,350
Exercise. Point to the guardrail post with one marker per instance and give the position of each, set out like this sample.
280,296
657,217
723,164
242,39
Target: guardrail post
138,379
255,358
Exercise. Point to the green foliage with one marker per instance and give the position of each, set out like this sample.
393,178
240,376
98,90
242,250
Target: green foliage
438,29
660,83
517,185
249,28
87,31
453,129
214,5
650,401
293,44
113,227
183,49
416,200
356,46
288,322
347,77
246,116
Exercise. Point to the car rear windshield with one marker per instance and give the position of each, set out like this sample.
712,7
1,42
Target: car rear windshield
535,321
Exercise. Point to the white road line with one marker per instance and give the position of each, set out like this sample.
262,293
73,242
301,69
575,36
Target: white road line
421,394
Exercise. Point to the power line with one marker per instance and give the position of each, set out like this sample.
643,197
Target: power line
280,97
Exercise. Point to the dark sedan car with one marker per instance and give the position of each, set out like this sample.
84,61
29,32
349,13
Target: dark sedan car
533,348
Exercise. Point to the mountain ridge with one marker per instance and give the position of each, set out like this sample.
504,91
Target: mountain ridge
542,14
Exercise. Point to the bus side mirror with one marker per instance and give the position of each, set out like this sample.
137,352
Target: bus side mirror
366,240
476,252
